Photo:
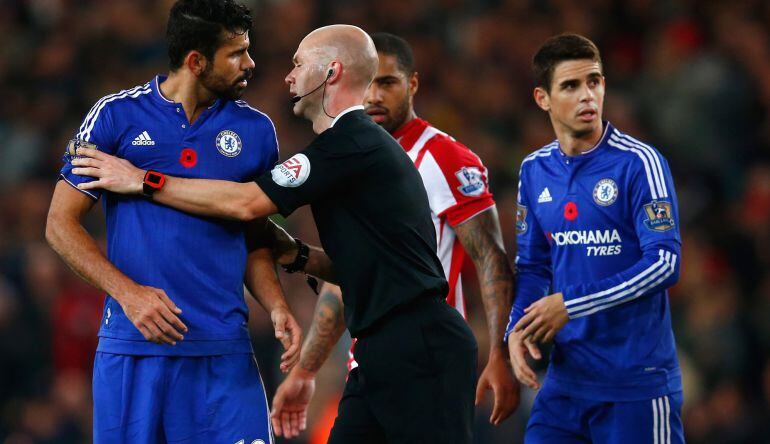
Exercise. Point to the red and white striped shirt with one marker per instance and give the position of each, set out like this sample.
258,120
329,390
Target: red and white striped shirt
458,189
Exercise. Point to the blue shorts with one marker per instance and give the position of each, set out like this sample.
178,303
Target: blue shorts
166,399
558,418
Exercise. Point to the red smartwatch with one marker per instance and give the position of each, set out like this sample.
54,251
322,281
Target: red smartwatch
153,181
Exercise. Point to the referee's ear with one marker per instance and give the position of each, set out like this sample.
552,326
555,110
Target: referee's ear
195,62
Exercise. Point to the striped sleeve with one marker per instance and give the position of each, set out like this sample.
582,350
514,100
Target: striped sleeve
97,127
455,179
653,207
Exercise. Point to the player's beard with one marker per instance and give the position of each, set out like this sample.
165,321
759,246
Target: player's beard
220,87
396,118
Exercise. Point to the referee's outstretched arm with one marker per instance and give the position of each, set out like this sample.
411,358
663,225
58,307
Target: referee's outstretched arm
216,198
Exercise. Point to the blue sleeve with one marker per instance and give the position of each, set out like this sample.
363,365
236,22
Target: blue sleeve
97,128
269,140
533,258
653,207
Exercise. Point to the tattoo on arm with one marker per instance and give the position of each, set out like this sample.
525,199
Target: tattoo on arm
327,327
483,241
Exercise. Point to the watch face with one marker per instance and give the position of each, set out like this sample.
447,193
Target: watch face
154,179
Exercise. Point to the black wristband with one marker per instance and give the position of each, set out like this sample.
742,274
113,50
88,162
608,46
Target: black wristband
303,254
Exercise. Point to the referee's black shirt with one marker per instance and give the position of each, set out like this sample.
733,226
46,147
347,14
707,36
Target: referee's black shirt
372,214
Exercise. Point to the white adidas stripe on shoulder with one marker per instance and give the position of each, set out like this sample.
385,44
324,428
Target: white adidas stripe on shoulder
542,152
88,123
98,103
650,160
652,154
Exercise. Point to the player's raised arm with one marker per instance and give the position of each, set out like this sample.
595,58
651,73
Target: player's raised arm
217,198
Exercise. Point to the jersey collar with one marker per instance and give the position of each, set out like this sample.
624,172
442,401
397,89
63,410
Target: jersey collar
408,133
596,148
345,111
157,94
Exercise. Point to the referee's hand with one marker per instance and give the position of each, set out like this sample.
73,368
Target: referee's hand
154,315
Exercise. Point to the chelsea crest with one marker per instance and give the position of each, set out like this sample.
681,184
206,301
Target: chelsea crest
229,143
605,192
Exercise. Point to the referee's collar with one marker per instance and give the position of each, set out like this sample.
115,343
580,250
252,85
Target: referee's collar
345,111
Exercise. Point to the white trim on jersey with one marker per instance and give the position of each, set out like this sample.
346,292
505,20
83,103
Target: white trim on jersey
160,93
419,144
133,93
650,159
661,421
651,154
92,195
440,196
619,294
90,113
542,152
244,104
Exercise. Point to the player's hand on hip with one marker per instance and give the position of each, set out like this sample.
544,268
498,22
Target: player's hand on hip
290,403
544,318
154,315
518,347
289,333
497,376
112,173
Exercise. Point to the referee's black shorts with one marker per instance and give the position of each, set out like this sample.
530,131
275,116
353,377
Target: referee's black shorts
415,380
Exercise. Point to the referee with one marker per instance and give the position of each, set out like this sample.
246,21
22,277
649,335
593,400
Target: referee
417,357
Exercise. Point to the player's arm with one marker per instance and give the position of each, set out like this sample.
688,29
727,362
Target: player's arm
533,281
483,241
262,282
654,211
215,198
149,309
289,414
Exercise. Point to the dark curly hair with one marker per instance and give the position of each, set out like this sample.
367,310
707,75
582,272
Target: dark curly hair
200,25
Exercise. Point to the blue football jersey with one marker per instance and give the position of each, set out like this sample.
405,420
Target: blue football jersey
602,229
198,261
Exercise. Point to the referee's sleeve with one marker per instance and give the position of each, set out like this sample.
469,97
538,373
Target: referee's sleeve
309,176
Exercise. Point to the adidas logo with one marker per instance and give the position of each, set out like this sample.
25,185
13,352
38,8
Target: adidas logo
545,196
143,139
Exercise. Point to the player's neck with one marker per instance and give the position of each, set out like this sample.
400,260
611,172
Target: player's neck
184,89
411,115
573,144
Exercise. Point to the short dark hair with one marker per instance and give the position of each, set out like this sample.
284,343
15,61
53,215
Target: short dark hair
394,45
558,49
198,25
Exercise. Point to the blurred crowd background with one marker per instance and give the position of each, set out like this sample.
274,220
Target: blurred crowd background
691,77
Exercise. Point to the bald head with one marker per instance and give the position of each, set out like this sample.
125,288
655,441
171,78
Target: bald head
349,45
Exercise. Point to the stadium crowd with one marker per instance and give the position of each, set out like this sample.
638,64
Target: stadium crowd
688,76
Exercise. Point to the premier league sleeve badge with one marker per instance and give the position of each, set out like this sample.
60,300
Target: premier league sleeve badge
659,217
